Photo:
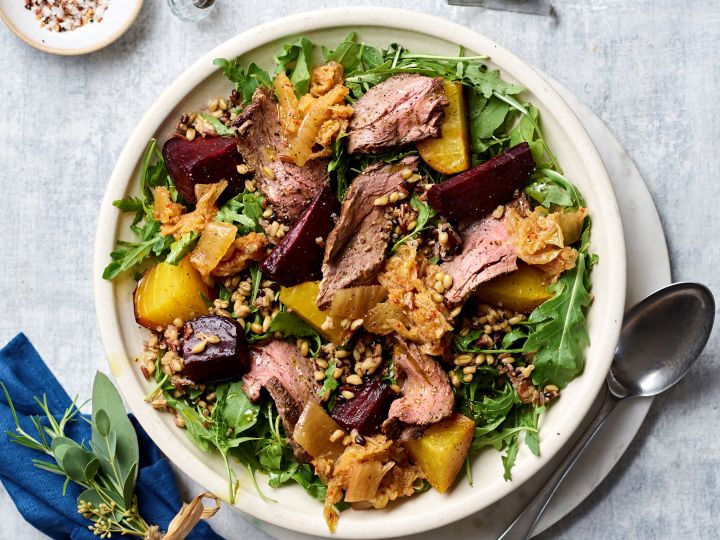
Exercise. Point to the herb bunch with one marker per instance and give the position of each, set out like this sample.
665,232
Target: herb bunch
107,469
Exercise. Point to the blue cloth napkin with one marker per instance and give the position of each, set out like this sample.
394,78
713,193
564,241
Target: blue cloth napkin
37,493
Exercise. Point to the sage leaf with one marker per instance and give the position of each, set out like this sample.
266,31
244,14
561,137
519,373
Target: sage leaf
106,397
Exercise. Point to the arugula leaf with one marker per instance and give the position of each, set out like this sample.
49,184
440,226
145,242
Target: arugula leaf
339,163
425,214
558,333
244,211
255,277
488,81
293,326
180,248
491,408
129,204
296,59
232,415
330,383
528,130
498,440
486,116
551,187
246,82
128,255
221,129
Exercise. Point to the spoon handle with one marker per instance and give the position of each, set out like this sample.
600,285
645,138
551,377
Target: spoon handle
523,525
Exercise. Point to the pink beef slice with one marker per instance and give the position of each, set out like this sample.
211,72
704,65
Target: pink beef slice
288,377
487,252
426,395
288,188
355,249
403,109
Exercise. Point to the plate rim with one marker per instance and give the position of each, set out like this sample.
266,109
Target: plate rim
314,21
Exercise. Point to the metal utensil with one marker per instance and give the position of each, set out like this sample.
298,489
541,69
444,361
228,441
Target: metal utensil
534,7
661,338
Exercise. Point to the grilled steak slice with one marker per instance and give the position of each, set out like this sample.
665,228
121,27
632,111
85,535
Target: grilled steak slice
403,109
426,393
288,188
487,252
288,377
355,249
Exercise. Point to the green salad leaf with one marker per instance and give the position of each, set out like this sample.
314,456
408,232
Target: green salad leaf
246,82
425,214
244,211
183,246
232,415
129,255
558,333
221,129
296,60
330,383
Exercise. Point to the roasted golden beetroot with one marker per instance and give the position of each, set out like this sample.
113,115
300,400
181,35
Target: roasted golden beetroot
449,153
441,450
168,292
301,300
314,432
521,290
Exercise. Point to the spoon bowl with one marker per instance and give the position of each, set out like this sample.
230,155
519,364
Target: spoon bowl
661,338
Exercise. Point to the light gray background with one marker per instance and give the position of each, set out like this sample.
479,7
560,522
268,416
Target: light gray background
649,68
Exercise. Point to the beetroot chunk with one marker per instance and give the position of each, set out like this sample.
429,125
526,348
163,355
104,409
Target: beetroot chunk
470,195
224,354
203,161
298,257
367,410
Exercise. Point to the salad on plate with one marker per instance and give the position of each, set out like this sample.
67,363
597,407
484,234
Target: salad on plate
358,271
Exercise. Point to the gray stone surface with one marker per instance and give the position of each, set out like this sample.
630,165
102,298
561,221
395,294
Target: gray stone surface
649,68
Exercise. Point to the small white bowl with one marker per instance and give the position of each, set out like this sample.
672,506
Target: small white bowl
90,37
294,510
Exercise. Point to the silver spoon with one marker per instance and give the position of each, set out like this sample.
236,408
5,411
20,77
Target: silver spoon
661,338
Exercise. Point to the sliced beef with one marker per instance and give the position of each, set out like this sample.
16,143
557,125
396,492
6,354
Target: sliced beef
288,188
355,249
426,393
403,109
288,377
487,252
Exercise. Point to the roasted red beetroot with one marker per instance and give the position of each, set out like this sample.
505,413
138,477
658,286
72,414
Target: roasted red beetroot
214,350
203,161
470,195
367,410
298,257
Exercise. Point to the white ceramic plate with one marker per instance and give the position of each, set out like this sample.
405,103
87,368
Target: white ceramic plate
118,18
122,337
